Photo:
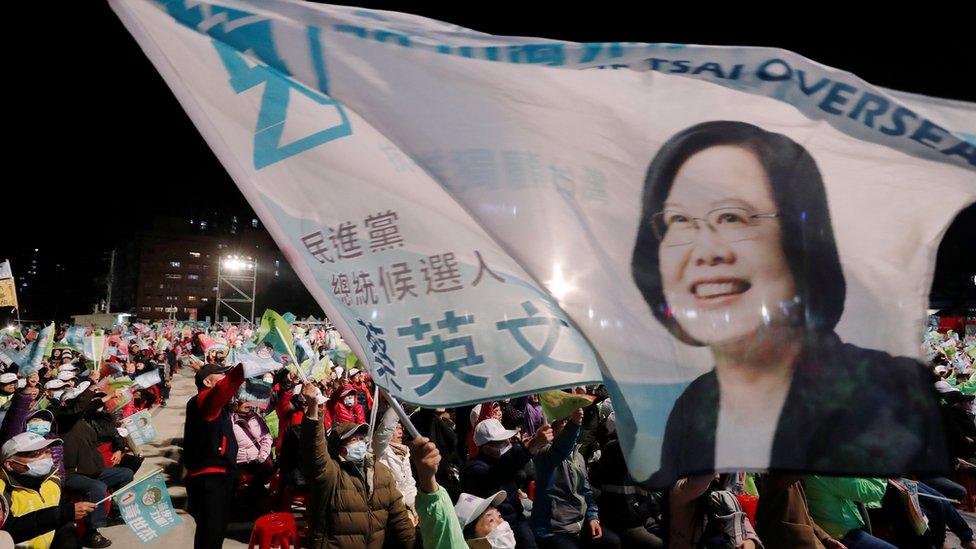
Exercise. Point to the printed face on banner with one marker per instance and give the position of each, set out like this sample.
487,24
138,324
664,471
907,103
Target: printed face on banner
736,253
722,263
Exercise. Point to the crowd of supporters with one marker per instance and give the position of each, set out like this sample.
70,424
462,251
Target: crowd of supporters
498,474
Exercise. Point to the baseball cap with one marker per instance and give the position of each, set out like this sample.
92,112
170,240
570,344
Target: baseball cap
67,368
65,376
54,384
491,430
8,377
26,442
346,430
209,370
353,371
470,507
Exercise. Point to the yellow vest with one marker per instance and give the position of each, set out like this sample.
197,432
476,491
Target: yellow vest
27,500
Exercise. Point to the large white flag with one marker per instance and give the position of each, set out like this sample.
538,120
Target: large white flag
739,241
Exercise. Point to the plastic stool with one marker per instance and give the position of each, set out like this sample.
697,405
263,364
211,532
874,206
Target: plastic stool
275,530
969,483
290,495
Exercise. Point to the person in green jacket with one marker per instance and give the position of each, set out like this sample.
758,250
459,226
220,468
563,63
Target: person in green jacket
833,506
441,522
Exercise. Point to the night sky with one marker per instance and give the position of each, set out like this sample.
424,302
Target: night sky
104,146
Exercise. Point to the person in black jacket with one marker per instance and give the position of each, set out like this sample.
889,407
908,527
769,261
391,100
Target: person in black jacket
210,452
498,464
628,509
442,434
106,426
83,463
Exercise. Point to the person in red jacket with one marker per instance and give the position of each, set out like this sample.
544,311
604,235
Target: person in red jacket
364,394
344,408
210,452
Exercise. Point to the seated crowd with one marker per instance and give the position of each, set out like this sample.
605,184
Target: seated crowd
496,474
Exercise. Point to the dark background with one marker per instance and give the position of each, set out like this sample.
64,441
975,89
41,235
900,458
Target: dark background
102,146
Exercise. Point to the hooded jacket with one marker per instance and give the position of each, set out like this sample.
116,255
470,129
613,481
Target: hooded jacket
351,507
345,414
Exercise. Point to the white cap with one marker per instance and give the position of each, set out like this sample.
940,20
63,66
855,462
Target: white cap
65,376
8,377
475,412
26,442
491,430
21,383
353,371
54,384
67,368
941,369
470,507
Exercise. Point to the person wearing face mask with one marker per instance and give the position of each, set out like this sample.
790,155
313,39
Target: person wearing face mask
473,523
389,449
254,444
345,408
353,501
31,493
21,416
497,468
85,467
54,389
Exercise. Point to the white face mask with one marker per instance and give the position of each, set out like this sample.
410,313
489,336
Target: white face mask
356,451
39,468
502,537
349,401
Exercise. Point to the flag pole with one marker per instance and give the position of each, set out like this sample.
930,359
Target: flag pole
130,485
373,412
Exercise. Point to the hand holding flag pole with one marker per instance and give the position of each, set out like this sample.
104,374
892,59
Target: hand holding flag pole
144,478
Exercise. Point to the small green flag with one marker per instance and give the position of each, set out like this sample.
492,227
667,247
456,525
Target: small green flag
558,405
271,420
274,331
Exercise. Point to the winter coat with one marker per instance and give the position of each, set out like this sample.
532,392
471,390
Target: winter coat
343,414
395,456
34,513
81,453
253,438
563,498
623,503
351,508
